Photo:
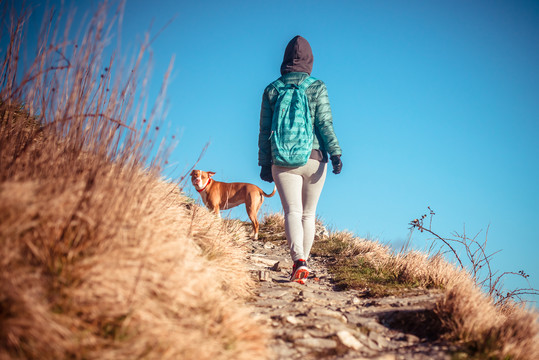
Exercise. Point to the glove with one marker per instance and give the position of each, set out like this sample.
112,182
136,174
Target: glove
337,163
265,174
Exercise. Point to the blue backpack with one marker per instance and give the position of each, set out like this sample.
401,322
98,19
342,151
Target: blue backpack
291,126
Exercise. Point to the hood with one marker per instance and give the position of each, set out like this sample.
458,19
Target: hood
298,57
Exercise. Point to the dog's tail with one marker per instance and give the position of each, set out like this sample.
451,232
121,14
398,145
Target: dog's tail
270,195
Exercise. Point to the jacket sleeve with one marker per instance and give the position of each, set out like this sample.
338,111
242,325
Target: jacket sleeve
264,144
323,121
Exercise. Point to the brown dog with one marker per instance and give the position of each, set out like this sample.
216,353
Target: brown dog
218,195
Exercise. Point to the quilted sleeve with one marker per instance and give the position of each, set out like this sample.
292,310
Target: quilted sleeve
323,122
264,144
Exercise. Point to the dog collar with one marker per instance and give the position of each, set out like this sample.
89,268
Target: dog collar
205,186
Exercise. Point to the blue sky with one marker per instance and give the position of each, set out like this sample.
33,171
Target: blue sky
435,103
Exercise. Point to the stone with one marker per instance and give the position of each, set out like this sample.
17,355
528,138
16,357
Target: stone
348,341
292,320
277,293
276,267
294,335
320,231
412,338
260,260
264,275
378,339
386,357
316,343
329,313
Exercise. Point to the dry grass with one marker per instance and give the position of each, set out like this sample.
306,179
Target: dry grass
272,226
142,286
469,316
99,258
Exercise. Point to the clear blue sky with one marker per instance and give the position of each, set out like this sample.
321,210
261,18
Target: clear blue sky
435,103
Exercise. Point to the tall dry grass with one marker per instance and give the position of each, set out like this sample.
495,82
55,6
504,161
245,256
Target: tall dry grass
99,258
468,315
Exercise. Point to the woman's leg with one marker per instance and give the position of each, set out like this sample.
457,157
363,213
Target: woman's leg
314,175
299,190
289,185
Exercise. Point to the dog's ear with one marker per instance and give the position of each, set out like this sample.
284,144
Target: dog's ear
211,173
192,173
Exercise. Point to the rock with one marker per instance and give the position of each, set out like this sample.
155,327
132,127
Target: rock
316,333
412,338
329,313
378,339
347,341
264,275
385,357
276,267
277,293
262,261
292,320
317,344
347,309
320,231
294,335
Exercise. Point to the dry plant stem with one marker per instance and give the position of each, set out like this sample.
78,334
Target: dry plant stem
421,228
184,177
479,259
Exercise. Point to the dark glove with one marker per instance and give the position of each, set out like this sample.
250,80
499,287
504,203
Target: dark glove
337,163
265,174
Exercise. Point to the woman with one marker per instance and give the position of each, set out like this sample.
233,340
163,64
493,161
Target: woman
300,187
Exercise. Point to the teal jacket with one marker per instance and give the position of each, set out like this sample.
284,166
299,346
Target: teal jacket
324,139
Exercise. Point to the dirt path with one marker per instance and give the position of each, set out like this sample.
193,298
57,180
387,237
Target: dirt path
314,321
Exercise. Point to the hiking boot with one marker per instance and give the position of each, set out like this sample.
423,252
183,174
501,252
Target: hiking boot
300,271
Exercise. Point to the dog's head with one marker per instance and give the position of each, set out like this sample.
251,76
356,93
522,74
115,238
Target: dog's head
200,178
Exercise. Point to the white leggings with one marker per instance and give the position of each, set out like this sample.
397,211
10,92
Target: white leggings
299,189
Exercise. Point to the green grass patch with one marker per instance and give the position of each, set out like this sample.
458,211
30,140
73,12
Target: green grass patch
330,247
355,272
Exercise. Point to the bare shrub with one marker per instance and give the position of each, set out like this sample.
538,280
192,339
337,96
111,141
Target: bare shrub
489,323
476,262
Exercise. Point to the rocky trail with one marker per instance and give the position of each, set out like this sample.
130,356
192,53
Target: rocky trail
315,321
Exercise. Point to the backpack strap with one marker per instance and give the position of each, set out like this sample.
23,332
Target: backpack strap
309,80
278,84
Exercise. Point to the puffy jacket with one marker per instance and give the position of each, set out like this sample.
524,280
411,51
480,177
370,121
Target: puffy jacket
324,139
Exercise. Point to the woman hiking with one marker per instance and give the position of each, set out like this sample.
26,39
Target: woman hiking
299,183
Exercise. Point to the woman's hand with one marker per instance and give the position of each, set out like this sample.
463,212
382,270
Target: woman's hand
265,174
337,163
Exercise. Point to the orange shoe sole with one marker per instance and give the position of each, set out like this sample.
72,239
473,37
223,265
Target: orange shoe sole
300,276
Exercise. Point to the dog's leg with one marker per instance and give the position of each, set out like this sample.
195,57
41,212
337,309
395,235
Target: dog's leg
252,207
214,208
254,220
